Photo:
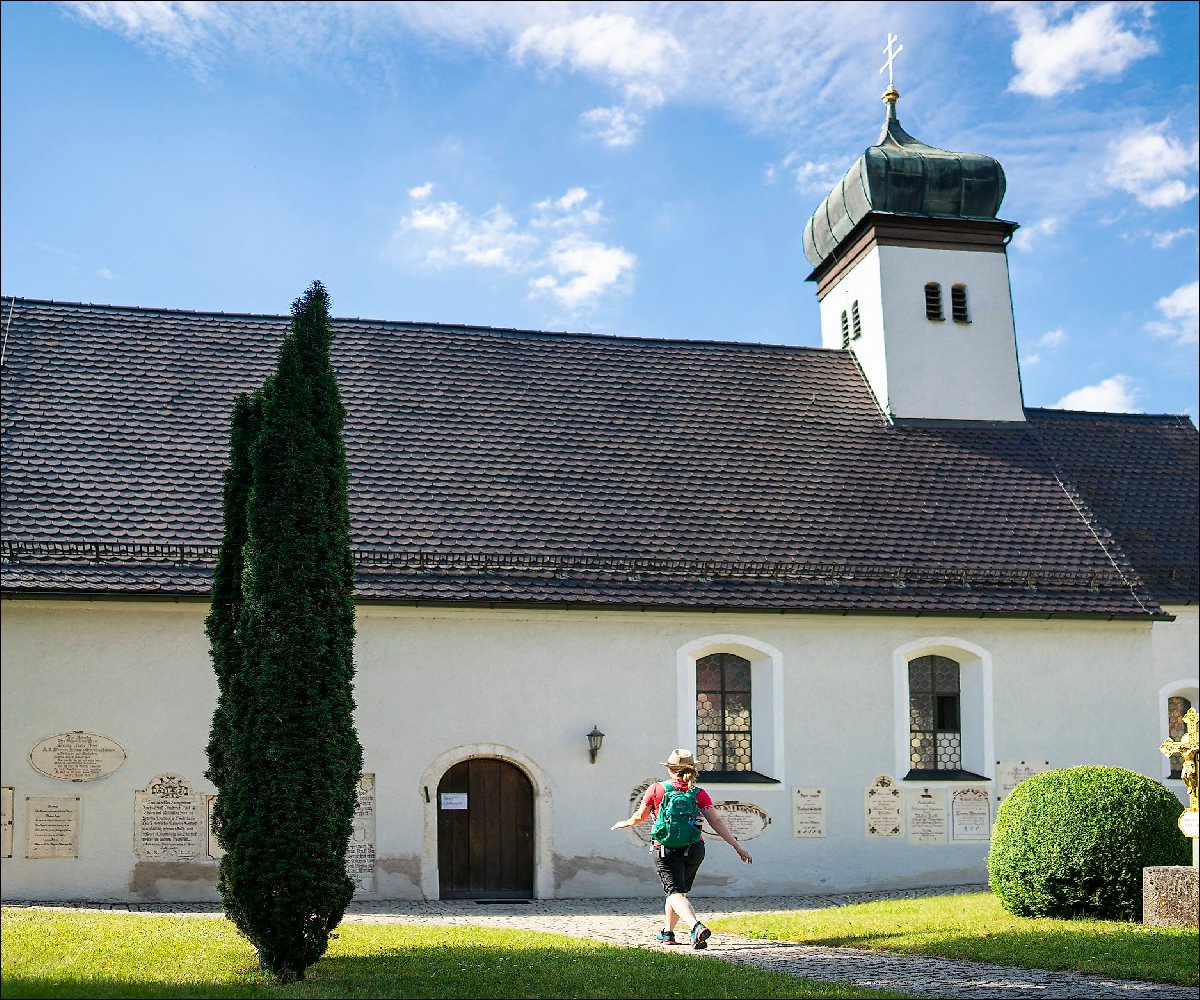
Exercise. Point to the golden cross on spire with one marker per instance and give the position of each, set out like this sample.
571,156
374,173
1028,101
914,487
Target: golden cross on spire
1187,748
891,56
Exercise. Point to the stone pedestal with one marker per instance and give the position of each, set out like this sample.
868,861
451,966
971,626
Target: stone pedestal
1170,896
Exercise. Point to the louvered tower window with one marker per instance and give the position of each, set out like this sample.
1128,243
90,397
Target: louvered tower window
958,304
933,301
845,329
856,319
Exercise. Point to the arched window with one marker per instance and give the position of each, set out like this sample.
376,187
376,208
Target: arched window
1177,706
933,301
958,304
934,711
845,329
723,699
856,319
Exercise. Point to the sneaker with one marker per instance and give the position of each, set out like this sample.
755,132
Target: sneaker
700,936
666,936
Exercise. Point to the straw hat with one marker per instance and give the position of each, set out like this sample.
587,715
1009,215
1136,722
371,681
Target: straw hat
680,758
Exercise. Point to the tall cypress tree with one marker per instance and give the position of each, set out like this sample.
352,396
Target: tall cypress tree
221,625
293,759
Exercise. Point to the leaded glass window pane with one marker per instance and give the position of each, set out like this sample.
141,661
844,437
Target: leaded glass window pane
723,724
933,711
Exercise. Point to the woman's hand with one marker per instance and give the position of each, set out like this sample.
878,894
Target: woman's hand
743,854
622,825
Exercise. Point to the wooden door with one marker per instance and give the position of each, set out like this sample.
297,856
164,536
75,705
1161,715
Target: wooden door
485,831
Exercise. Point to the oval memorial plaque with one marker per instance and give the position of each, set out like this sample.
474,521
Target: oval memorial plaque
77,756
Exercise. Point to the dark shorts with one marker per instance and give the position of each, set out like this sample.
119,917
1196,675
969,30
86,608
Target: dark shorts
677,866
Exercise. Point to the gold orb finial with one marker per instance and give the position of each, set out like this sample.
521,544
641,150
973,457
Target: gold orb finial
891,95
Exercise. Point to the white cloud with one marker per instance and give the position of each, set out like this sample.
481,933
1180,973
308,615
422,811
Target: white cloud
106,274
584,269
1180,315
1048,341
1161,241
557,243
615,47
188,30
815,177
615,126
1155,167
421,192
1031,233
740,58
1060,46
1117,394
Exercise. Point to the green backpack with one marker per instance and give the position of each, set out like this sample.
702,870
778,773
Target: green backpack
678,820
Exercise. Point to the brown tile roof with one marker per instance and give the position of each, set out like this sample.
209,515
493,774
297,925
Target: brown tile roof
501,465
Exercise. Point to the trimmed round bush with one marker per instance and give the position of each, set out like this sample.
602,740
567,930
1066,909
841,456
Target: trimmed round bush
1073,843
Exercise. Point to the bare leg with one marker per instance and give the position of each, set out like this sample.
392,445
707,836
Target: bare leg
679,907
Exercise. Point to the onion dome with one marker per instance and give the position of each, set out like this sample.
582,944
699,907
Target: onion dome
901,175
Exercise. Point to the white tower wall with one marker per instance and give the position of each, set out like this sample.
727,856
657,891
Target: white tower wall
927,369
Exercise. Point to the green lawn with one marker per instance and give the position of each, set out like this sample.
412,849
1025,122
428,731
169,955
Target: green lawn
69,954
974,926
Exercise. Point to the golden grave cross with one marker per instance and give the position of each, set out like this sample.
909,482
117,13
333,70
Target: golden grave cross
1186,747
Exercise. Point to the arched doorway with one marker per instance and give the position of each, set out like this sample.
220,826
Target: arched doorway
485,831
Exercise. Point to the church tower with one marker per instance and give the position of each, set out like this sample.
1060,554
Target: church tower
911,268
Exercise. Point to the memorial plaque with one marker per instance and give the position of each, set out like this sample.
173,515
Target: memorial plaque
6,824
52,826
744,819
808,812
360,851
1189,823
927,817
1010,773
642,830
970,814
884,801
76,756
214,849
170,822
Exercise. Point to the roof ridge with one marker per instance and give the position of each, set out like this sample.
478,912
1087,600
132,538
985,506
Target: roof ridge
424,325
1109,414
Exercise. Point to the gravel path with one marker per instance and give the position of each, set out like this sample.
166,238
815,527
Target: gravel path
633,923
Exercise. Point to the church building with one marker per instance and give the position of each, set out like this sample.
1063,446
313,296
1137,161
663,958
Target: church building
868,586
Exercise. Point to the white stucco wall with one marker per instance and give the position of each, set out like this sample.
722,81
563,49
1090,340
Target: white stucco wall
435,686
921,368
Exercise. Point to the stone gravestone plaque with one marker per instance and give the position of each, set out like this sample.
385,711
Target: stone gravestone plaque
744,819
970,814
170,822
6,824
214,849
52,826
642,830
808,812
1010,773
360,851
884,808
927,817
77,756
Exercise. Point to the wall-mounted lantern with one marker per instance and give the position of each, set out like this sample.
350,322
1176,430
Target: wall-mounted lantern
595,738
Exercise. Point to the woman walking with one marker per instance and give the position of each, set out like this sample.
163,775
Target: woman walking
677,806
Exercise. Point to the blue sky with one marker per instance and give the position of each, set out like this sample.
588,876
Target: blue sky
638,169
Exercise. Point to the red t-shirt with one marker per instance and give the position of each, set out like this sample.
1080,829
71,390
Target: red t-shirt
654,796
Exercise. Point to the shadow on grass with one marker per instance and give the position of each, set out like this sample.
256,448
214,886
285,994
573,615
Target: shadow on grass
454,971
